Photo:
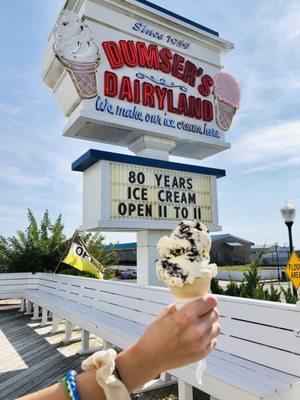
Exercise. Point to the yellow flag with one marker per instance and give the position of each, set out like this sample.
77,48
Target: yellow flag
78,257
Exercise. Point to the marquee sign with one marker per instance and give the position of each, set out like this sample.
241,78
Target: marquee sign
139,192
133,193
117,77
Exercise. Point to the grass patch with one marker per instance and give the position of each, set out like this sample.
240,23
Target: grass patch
240,268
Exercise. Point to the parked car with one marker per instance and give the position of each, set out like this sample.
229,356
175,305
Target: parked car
271,258
118,272
129,273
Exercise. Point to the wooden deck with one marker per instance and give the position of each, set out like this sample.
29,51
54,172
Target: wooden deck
32,358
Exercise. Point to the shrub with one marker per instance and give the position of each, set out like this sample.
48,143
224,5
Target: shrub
288,294
216,288
233,289
259,293
275,294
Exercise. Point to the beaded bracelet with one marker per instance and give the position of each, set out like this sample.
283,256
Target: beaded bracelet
70,385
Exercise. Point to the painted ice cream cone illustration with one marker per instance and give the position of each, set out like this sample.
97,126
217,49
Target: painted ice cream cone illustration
185,266
75,49
227,99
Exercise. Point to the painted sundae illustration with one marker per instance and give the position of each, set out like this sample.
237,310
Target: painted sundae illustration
185,266
75,49
227,99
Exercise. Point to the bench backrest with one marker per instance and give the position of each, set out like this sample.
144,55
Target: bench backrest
17,282
259,331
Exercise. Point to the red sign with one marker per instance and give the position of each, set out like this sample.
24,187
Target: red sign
157,93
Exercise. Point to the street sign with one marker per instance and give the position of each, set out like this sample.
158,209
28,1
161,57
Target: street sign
292,270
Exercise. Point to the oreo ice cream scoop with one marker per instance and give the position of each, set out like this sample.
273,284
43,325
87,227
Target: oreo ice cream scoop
185,255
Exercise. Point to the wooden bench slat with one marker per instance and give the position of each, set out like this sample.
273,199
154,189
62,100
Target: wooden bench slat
277,315
261,354
270,381
252,366
270,336
155,294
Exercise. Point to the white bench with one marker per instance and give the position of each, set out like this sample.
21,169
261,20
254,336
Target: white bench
258,354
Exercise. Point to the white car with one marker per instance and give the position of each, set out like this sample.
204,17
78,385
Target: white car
129,273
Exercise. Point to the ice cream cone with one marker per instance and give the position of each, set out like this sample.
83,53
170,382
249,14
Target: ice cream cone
199,288
83,75
185,267
224,114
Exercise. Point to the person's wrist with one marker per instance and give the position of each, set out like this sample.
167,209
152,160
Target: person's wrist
150,357
137,366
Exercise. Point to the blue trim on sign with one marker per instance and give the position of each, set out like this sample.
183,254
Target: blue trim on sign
92,156
177,16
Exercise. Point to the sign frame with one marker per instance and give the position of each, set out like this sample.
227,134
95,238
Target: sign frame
95,165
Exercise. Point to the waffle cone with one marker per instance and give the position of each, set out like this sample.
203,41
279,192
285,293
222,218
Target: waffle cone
83,75
199,288
224,114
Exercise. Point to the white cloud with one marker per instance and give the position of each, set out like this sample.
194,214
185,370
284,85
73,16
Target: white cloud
277,144
16,177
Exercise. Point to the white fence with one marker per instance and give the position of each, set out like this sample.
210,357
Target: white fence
224,274
258,351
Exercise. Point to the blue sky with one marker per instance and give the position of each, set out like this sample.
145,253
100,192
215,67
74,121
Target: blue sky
262,166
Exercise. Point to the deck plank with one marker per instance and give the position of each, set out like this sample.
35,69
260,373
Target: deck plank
31,356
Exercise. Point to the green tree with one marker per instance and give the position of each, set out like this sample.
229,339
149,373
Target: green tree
252,276
41,246
37,249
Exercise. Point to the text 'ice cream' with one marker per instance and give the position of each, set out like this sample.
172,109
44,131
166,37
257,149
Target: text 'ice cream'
76,50
185,262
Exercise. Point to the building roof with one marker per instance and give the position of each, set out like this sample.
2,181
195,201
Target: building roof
224,235
220,236
262,246
132,245
121,246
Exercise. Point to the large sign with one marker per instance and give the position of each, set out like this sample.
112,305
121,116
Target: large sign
118,76
130,193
